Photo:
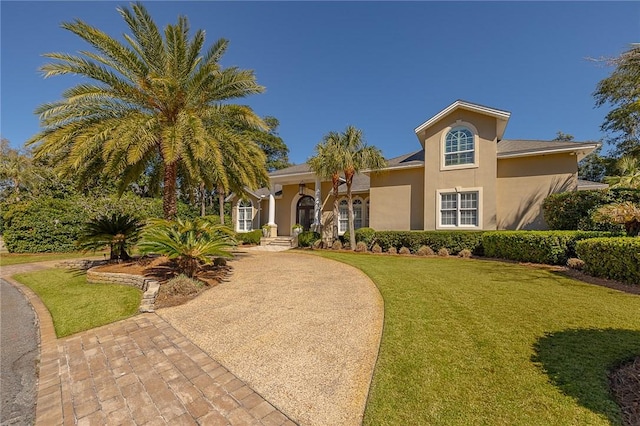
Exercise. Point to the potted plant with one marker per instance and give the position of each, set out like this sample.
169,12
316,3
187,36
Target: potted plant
297,229
266,231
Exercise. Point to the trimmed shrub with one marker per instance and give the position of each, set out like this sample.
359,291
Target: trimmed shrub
454,241
425,251
376,248
307,238
404,250
337,245
318,244
392,250
251,237
573,210
443,252
614,258
181,286
550,247
361,247
465,254
575,263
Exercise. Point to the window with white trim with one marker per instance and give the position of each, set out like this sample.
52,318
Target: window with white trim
459,147
459,209
245,216
343,222
357,214
366,213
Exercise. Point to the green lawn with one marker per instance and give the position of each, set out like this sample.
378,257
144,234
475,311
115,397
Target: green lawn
18,258
470,342
76,305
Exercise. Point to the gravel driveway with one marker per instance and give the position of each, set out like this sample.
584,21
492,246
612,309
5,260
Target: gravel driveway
302,330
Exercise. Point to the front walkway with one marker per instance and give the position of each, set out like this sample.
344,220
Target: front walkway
301,330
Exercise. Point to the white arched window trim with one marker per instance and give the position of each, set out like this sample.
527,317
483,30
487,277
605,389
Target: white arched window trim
245,216
360,214
443,142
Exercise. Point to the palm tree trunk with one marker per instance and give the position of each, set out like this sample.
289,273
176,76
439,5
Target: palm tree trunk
169,195
221,205
335,181
352,230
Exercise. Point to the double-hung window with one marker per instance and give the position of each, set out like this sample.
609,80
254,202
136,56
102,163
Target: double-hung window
459,147
245,216
459,209
343,222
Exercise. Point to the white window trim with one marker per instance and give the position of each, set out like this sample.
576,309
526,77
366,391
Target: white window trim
250,208
476,147
365,221
342,231
458,189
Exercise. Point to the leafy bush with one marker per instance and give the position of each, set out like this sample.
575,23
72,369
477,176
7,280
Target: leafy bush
425,251
443,252
392,250
361,247
307,238
614,258
551,247
191,243
454,241
376,249
337,245
43,225
575,263
365,235
251,237
404,250
318,244
181,286
118,231
573,210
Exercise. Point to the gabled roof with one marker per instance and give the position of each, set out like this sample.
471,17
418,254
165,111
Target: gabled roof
413,159
501,115
292,170
510,148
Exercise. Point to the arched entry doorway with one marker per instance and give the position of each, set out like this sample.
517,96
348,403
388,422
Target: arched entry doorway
304,212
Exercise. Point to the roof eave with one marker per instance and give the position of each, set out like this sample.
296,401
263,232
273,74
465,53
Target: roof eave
497,113
581,151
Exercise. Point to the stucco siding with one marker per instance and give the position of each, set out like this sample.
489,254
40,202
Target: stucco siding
396,200
523,184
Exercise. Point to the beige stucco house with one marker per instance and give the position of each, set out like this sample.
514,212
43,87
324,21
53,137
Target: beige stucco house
463,175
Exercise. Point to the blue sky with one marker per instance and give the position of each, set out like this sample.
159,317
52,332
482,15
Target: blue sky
384,67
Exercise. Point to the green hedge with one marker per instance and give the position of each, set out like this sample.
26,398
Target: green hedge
251,237
572,210
362,234
307,238
550,247
614,258
454,241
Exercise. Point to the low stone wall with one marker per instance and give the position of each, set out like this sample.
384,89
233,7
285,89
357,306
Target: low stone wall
83,264
149,286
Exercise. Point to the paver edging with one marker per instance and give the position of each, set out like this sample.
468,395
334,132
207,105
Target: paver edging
148,286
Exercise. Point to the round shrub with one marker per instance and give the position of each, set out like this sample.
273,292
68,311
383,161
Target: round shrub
443,252
361,247
317,244
307,238
252,237
376,249
337,245
404,250
575,263
181,286
464,253
392,250
425,251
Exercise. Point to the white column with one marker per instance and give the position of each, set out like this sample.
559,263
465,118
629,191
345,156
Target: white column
317,214
272,212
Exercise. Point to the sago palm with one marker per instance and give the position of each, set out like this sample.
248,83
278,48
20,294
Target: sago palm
152,104
118,231
190,243
629,174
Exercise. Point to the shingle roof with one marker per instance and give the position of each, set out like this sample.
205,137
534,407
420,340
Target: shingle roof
413,158
508,147
298,168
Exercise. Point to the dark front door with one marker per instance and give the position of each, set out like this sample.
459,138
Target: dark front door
304,212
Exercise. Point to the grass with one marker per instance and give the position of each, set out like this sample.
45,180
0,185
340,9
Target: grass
490,343
76,305
7,259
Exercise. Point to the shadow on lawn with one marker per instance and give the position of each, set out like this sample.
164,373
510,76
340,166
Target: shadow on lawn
578,362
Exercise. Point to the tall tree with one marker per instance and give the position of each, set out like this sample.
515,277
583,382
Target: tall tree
355,156
595,167
153,102
621,90
628,174
326,164
561,136
17,171
272,144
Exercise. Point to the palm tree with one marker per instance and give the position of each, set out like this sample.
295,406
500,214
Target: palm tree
153,105
355,156
326,164
625,213
118,231
629,174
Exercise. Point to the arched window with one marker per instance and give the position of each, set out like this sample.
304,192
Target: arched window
357,214
245,216
343,222
459,147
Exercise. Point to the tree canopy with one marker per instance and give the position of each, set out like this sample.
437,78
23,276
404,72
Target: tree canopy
154,104
621,90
